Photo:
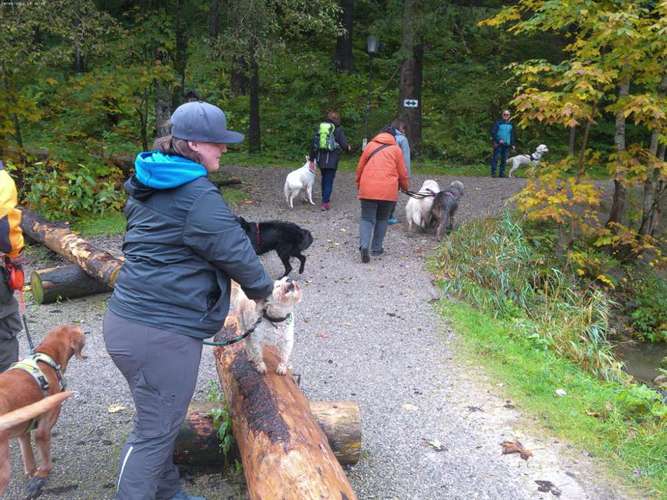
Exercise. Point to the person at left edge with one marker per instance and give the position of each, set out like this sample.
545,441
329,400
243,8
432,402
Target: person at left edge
11,245
182,247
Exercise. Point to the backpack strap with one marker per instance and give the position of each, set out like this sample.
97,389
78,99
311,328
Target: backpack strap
377,150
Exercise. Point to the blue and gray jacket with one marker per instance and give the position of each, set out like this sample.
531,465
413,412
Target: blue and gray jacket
503,130
404,144
183,245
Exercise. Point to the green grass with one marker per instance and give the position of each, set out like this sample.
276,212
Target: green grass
635,450
107,224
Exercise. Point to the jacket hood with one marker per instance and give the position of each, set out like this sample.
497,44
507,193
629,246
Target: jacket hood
160,171
384,138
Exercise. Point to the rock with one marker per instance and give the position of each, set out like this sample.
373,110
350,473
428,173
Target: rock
661,381
561,392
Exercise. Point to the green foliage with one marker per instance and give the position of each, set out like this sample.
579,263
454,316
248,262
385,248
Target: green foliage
222,419
493,265
623,425
60,191
648,310
108,224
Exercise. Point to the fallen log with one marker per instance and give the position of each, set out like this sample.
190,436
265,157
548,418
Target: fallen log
197,442
58,237
285,454
63,282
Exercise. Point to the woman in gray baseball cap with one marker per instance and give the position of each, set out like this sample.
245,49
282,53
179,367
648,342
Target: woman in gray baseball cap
183,245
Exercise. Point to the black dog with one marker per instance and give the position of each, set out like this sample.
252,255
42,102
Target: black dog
286,238
444,208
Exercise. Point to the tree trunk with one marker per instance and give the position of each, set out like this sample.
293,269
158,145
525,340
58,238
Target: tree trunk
162,100
254,130
343,59
181,55
618,204
411,73
652,186
197,442
79,65
214,19
65,282
238,78
285,454
58,237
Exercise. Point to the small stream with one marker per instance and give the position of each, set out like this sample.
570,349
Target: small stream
641,359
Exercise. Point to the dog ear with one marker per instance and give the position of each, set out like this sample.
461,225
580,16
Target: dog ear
77,342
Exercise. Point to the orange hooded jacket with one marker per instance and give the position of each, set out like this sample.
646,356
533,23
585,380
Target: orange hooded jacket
380,177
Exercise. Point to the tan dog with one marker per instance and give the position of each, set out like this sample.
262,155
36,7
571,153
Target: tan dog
276,326
22,400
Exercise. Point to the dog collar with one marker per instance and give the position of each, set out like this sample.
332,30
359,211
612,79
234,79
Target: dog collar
277,320
30,365
531,157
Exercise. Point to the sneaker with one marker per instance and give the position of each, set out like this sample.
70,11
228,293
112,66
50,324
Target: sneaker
392,220
365,258
325,206
182,495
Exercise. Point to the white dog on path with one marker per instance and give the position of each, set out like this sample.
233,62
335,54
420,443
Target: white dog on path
531,159
300,181
418,211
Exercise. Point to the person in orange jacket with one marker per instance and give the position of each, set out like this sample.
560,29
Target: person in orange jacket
11,245
380,173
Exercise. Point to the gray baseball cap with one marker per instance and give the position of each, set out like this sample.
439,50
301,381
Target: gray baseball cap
202,122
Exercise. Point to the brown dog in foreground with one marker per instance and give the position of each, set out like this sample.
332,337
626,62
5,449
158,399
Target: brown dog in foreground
22,400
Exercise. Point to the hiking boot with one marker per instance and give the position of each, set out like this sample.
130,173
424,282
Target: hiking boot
365,258
325,206
392,220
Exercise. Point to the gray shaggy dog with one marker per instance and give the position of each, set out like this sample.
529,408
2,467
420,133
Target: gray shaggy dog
444,208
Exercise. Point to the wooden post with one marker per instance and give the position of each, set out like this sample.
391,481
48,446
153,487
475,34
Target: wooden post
285,454
58,237
197,442
64,282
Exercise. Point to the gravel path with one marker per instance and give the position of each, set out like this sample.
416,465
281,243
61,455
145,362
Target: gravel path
364,332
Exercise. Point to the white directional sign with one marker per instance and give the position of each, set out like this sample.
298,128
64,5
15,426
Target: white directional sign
410,103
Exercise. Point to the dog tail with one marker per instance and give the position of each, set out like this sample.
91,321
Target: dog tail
27,413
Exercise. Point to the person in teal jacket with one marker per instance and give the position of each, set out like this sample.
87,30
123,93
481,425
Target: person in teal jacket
502,137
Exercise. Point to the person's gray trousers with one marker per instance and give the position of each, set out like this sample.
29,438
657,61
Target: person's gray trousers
373,223
161,369
10,326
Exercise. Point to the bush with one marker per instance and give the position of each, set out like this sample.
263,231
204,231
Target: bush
648,312
493,265
59,191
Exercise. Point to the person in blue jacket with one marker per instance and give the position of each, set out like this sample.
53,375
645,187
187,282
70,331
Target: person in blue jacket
182,247
398,129
502,137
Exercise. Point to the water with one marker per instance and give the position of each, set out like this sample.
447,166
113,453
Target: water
641,359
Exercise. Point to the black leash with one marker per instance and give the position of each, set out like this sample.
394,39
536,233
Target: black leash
419,196
234,340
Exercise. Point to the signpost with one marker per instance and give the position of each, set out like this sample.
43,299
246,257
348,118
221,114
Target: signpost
410,103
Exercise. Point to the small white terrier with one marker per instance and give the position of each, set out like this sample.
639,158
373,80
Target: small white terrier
531,159
418,211
300,180
277,324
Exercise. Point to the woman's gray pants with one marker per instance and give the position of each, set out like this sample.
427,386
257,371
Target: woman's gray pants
373,223
161,369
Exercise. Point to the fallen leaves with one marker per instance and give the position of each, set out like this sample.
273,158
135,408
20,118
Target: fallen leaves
409,407
115,408
516,447
547,486
434,443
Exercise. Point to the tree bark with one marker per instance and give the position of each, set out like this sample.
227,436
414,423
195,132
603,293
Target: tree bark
58,237
162,100
238,78
343,58
64,282
618,204
197,442
572,143
285,454
181,55
652,186
254,130
411,73
214,19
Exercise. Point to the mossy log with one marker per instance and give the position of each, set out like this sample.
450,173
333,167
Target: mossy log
197,442
284,451
63,282
58,237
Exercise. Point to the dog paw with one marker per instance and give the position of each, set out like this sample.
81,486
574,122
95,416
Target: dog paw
34,487
281,369
260,367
